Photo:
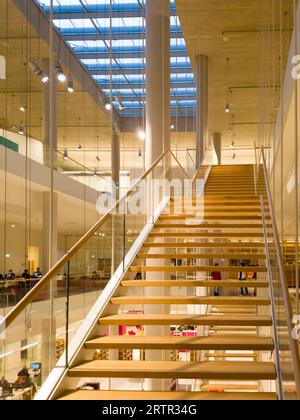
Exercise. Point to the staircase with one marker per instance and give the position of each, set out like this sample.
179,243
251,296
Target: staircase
169,284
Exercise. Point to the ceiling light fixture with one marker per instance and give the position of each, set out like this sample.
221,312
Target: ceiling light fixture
36,68
172,127
120,103
107,105
227,106
98,159
79,147
70,84
141,135
21,129
66,154
140,154
22,108
61,77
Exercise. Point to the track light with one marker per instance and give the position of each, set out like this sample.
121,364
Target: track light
141,135
98,159
120,103
227,108
107,105
172,127
61,77
45,78
140,154
36,68
79,147
22,108
66,154
70,84
21,129
232,144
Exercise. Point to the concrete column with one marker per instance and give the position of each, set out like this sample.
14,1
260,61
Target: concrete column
217,143
49,111
202,107
50,206
158,122
158,117
115,163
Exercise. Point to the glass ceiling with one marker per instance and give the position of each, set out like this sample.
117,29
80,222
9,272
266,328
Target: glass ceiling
85,26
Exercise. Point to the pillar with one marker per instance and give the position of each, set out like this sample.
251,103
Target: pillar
158,118
115,163
50,205
49,112
217,143
202,108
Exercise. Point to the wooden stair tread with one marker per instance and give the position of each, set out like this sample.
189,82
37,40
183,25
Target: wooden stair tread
186,319
194,283
192,268
218,342
205,234
191,256
178,370
164,396
208,226
232,245
184,300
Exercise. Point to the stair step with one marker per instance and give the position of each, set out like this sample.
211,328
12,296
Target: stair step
164,396
209,226
189,300
194,283
176,370
227,342
186,319
232,245
193,269
214,235
194,256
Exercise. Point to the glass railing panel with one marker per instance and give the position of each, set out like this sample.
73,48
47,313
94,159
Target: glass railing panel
38,333
285,334
32,344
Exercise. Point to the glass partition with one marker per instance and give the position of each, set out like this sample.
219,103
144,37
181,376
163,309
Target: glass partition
285,331
38,332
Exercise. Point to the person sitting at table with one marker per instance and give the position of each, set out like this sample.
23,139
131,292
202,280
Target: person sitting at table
1,277
10,275
4,383
37,274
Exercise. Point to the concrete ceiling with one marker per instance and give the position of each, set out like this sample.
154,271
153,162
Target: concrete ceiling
234,29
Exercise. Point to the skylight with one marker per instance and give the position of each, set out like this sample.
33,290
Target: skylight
85,26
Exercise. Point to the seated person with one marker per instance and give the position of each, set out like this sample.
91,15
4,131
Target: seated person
26,276
1,277
37,274
4,383
10,275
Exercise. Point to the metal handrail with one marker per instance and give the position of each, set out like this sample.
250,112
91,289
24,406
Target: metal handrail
272,295
285,292
32,294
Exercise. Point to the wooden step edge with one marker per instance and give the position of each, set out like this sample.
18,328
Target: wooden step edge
233,245
182,300
222,343
195,283
175,370
210,268
163,396
191,256
204,320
